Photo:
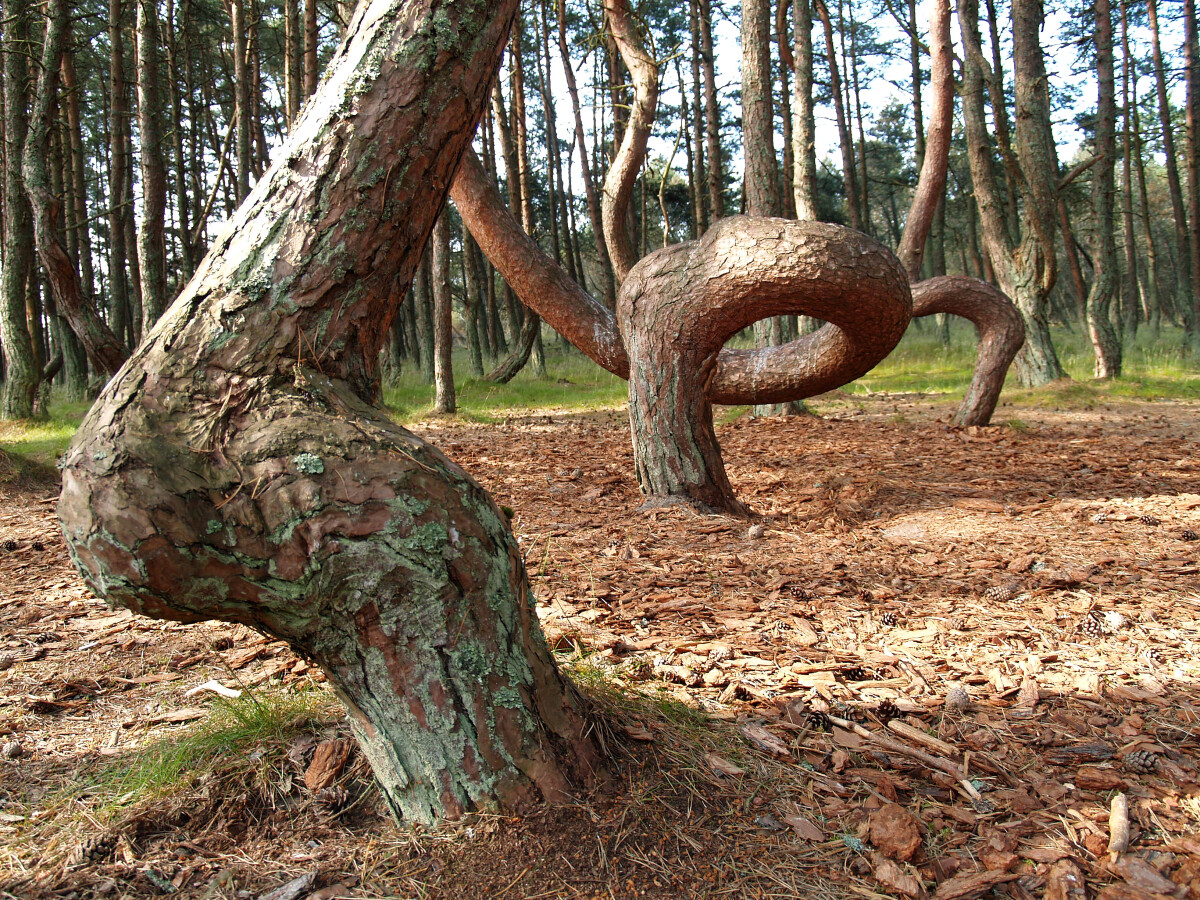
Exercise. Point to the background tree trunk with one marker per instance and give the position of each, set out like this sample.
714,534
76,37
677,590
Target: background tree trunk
152,229
22,372
443,323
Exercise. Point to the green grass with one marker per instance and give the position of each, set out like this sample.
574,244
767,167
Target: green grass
41,442
572,383
1155,369
228,737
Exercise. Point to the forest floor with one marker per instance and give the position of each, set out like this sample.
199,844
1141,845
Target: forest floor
1004,621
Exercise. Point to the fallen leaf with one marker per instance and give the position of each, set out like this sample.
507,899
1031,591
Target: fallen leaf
765,741
895,831
805,829
638,732
890,875
721,766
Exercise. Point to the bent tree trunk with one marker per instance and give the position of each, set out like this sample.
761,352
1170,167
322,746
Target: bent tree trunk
236,469
679,306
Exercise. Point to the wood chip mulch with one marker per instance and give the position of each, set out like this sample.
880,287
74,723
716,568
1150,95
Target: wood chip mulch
943,663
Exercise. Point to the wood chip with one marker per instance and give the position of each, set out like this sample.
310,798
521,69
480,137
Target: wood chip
765,741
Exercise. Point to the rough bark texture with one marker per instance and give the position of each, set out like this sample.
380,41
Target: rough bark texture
687,300
443,324
758,125
712,116
1105,343
539,282
680,305
1174,185
622,175
804,183
1026,271
931,186
21,368
234,470
1001,330
151,228
1191,46
845,139
106,352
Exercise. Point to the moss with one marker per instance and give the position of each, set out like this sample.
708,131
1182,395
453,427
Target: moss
509,698
308,464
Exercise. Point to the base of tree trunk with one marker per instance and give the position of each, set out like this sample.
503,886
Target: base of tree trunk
370,554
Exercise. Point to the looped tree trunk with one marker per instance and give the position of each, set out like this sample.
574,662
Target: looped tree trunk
679,306
1001,334
234,469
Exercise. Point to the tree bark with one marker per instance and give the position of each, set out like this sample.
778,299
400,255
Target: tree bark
152,229
712,116
1026,271
293,60
105,351
235,469
443,326
1001,334
804,183
22,372
241,93
1191,44
758,126
845,139
623,173
311,36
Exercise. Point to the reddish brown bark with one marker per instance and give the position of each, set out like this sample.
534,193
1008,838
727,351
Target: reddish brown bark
1001,334
234,468
1001,328
622,175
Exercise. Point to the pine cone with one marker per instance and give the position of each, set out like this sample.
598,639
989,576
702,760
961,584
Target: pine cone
796,592
1093,625
37,546
817,720
855,673
1153,656
886,711
1143,762
1149,520
889,619
1189,536
1002,593
10,546
1099,518
957,699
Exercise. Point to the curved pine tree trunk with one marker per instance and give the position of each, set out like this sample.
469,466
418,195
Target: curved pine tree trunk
234,468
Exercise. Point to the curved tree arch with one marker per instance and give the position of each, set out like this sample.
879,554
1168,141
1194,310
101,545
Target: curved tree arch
236,468
678,306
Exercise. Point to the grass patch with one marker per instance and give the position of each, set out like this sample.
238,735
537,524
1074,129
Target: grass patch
1155,368
572,383
40,442
237,733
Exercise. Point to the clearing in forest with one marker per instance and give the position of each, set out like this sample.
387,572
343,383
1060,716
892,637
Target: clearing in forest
1004,622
